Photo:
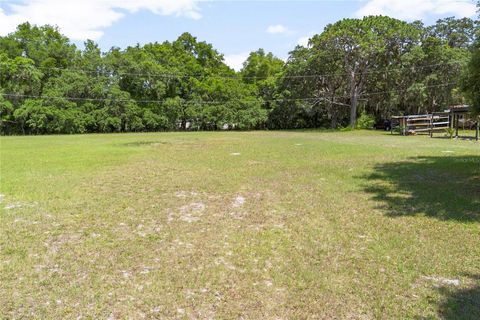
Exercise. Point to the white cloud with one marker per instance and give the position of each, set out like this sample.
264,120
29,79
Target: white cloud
236,61
303,41
86,19
417,9
278,29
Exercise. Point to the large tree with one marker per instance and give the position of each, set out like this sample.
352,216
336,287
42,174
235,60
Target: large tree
49,86
377,65
261,70
471,80
362,46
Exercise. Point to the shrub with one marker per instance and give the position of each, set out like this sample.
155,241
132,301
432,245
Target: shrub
365,121
399,129
449,132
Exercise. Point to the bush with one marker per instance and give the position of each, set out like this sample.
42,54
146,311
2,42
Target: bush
399,129
365,121
449,132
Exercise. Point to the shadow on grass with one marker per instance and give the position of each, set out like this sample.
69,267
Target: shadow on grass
461,304
443,187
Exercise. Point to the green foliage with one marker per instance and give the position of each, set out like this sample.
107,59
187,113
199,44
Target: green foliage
51,87
471,80
410,69
47,85
471,77
456,33
260,66
365,121
400,129
449,132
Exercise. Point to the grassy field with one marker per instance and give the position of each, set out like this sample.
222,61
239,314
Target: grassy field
248,225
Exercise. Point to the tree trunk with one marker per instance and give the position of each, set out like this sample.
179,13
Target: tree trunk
334,120
353,101
334,112
353,108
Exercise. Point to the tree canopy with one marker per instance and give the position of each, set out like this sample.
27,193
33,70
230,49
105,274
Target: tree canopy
471,78
376,65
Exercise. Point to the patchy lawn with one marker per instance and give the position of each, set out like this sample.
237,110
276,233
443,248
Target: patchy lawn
252,225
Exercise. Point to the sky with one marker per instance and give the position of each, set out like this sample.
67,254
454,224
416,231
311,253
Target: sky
234,27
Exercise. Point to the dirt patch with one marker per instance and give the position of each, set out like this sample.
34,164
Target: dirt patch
18,205
442,281
238,201
188,213
144,143
185,194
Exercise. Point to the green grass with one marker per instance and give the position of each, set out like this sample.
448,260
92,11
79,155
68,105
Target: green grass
345,225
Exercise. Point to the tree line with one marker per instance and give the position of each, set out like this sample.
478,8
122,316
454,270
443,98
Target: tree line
372,67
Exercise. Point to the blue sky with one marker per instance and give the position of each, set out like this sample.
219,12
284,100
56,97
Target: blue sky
234,27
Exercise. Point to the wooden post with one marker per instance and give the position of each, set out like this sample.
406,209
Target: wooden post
456,125
431,125
477,131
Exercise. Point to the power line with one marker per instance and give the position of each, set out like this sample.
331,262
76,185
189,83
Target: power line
144,101
14,95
